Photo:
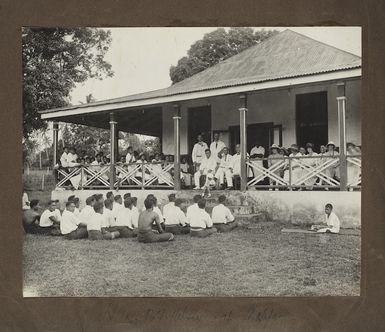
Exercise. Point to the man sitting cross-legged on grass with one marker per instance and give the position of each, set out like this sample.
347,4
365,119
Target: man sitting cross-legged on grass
146,219
57,210
108,216
71,226
31,217
87,213
49,224
76,201
331,224
123,221
135,213
192,208
117,206
175,219
156,210
96,227
201,224
222,217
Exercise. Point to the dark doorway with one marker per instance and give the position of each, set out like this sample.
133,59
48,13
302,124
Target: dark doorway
312,118
261,133
199,122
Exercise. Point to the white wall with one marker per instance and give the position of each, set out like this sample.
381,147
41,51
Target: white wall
270,106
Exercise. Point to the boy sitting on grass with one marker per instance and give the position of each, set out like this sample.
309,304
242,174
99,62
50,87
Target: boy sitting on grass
96,228
146,219
331,224
201,224
175,219
108,216
222,217
135,213
123,221
49,224
31,217
71,226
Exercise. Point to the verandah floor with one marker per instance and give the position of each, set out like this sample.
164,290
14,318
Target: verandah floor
246,262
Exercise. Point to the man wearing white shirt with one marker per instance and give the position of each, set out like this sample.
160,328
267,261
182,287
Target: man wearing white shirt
135,213
95,227
108,217
72,227
201,225
331,224
87,213
170,204
198,152
64,158
49,225
76,201
175,219
190,214
257,153
117,205
225,169
216,147
207,167
236,163
123,222
57,210
130,156
223,219
25,201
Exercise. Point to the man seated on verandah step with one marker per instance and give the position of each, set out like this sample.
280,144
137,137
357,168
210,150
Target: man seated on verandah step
49,224
96,227
223,219
175,219
201,224
71,226
146,219
331,224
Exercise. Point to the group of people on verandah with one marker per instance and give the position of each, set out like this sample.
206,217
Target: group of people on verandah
215,167
114,216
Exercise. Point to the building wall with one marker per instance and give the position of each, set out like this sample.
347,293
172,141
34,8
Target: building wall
277,106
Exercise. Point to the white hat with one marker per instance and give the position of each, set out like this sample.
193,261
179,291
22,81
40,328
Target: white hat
275,146
330,143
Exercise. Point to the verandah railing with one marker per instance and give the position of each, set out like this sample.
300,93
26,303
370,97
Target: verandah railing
263,173
133,175
297,172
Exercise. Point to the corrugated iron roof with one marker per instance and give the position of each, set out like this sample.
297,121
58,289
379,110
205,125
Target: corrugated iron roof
285,55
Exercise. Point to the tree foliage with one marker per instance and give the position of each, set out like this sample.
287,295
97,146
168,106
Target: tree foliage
214,47
54,60
90,139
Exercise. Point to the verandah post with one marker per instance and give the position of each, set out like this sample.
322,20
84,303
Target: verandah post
55,128
112,149
341,100
243,140
177,117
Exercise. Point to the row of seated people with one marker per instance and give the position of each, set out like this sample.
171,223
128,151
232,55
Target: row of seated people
215,166
116,216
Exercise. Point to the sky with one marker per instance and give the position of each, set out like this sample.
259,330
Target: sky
141,57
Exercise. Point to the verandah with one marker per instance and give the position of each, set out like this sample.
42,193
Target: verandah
154,174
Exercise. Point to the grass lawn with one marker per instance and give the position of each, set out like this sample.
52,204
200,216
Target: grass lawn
246,262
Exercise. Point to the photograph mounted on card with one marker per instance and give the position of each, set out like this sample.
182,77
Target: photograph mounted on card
191,162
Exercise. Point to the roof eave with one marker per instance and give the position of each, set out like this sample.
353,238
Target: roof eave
177,97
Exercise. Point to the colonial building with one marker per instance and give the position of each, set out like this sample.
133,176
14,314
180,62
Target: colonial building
287,89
